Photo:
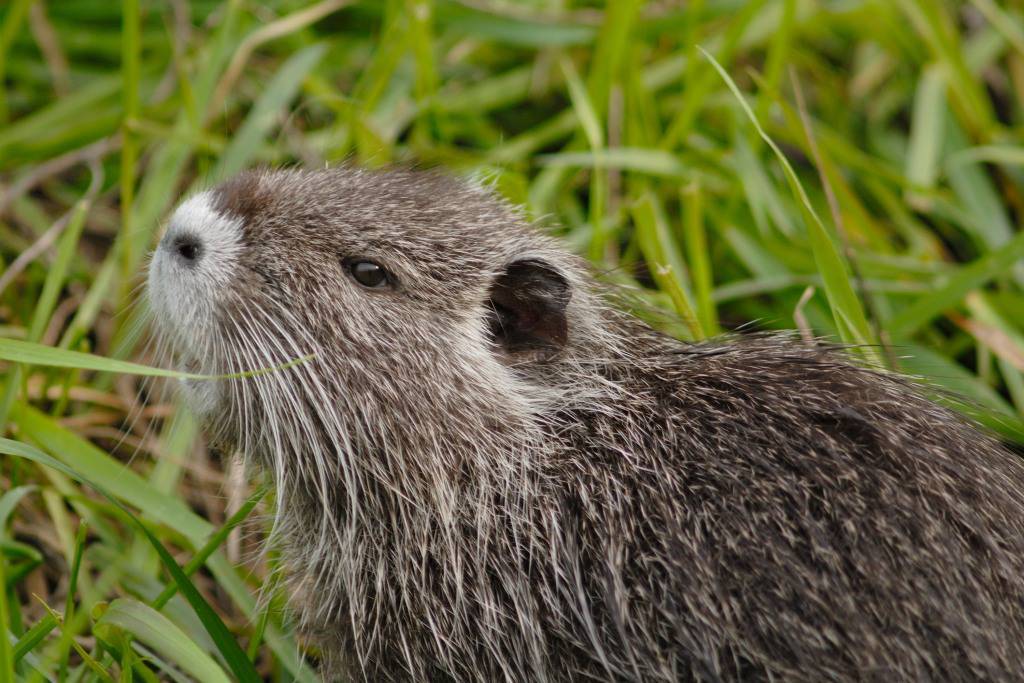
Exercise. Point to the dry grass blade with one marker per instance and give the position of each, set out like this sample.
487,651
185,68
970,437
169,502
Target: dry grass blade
276,29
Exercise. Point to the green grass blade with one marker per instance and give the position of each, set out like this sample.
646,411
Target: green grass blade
930,18
662,256
590,122
211,545
6,653
420,13
985,216
701,80
58,270
521,32
93,665
967,278
846,307
587,115
610,50
982,403
82,456
695,238
18,351
1006,155
69,603
59,115
780,49
9,501
130,74
10,27
78,455
281,90
926,133
653,162
240,665
33,637
1002,21
161,634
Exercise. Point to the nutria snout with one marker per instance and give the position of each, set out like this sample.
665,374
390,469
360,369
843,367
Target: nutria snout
488,472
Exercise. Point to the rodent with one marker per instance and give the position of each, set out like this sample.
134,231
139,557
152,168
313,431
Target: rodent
489,472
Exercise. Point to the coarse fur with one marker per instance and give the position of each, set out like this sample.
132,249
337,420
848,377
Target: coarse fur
580,497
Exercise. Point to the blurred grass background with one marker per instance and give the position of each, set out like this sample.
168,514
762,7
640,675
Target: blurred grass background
851,168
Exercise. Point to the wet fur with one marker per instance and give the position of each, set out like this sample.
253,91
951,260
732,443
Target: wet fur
624,507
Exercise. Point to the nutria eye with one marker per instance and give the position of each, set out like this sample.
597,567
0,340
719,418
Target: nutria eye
368,274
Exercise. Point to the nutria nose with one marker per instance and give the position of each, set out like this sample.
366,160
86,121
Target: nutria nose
187,249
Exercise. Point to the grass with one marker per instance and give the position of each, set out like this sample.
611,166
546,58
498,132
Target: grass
854,168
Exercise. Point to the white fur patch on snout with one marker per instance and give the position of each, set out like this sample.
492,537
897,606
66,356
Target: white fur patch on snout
219,236
184,294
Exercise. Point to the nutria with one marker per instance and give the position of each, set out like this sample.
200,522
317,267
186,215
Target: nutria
489,472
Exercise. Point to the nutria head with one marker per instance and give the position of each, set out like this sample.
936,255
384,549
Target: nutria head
412,291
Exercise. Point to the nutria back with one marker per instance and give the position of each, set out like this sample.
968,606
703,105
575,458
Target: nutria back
488,472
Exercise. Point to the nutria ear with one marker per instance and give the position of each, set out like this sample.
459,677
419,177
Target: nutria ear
527,305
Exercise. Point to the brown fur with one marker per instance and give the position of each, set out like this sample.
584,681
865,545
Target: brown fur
605,503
